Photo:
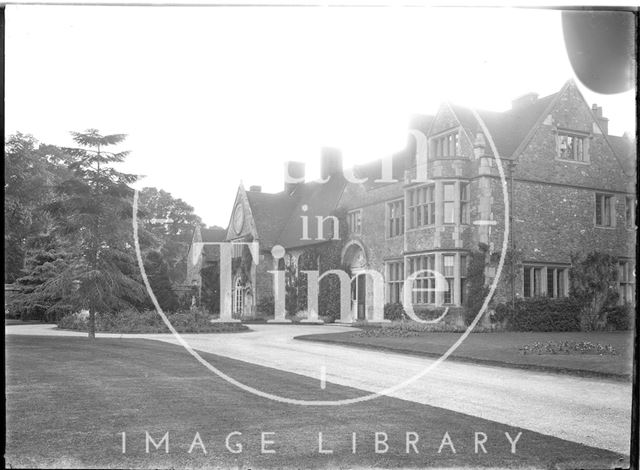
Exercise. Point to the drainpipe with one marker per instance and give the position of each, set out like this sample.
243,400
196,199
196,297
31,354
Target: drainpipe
512,165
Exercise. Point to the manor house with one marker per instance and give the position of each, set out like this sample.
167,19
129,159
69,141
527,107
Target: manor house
568,185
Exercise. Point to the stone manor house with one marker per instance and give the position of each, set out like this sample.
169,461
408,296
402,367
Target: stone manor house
570,187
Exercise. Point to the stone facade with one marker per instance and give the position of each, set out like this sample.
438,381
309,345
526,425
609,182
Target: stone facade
436,214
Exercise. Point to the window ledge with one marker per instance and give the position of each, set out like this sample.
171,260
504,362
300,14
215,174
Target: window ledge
572,161
421,227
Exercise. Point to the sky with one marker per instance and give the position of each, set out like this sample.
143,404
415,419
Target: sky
211,97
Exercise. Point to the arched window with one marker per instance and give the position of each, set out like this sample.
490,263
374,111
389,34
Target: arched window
238,296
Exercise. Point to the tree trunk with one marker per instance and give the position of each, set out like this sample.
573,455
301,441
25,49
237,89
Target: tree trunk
92,324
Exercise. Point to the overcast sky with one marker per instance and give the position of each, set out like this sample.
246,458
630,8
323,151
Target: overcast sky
213,96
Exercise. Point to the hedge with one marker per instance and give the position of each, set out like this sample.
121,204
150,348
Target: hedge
132,321
620,317
540,314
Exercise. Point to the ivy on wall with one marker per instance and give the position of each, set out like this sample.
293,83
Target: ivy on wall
323,257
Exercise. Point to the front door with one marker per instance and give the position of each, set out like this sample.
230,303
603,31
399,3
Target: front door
359,296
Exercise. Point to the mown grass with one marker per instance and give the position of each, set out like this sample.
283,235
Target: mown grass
504,348
69,400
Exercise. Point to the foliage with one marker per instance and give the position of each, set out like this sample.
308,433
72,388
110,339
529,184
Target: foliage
569,347
620,317
158,276
394,311
41,266
132,321
292,282
540,314
210,289
92,220
31,170
405,328
172,239
477,290
266,306
323,257
593,281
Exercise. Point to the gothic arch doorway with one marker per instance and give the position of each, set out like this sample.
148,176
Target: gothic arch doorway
354,259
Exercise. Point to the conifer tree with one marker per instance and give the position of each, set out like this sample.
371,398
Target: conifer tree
92,215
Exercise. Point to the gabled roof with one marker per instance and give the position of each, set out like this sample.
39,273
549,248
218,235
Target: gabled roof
509,128
270,213
320,199
625,150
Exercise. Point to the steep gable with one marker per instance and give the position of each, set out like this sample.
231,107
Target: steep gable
538,156
314,199
248,226
270,213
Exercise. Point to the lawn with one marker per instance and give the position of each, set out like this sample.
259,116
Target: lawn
69,400
504,349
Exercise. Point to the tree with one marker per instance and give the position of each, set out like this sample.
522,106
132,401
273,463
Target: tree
172,221
31,172
93,222
43,261
593,280
158,276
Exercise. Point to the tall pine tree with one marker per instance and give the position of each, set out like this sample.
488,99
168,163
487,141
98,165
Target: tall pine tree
93,223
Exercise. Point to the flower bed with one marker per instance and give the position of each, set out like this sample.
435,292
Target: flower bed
569,347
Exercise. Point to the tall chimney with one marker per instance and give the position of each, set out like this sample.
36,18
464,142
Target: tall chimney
524,100
603,121
330,162
255,189
293,175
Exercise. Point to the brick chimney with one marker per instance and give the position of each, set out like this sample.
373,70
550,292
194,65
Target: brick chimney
295,170
524,100
603,121
255,189
330,162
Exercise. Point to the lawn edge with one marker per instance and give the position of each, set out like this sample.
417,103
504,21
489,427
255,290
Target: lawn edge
625,378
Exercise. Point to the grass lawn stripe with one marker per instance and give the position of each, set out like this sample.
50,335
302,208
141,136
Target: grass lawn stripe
68,400
502,349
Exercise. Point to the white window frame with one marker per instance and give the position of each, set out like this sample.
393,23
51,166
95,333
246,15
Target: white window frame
354,221
559,274
608,201
389,222
437,149
392,281
582,137
630,212
626,281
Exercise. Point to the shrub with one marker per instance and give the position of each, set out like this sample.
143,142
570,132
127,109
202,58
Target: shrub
266,306
540,314
132,321
394,311
477,291
411,328
593,283
620,317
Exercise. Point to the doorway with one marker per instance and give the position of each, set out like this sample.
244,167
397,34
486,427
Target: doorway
359,297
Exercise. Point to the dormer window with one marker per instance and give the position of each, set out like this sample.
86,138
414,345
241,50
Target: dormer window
446,145
572,147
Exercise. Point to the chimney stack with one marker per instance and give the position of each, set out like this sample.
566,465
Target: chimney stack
255,189
330,162
524,100
293,175
603,121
